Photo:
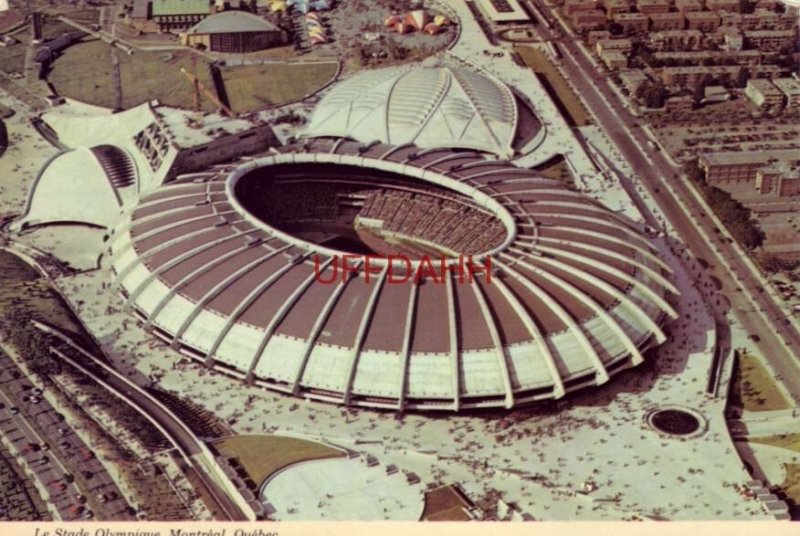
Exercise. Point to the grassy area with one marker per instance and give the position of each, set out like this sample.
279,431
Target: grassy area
12,58
556,168
444,504
264,455
569,103
791,484
752,387
85,72
254,87
785,441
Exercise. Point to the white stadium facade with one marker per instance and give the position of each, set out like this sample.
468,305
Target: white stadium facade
233,265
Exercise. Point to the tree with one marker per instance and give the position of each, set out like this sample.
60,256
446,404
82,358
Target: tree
742,77
700,89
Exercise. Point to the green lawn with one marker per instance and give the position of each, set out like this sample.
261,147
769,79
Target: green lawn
753,388
264,455
85,72
254,87
444,504
12,58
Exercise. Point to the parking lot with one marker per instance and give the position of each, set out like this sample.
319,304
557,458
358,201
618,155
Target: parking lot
76,482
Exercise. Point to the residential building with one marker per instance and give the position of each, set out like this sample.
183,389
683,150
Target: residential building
715,94
685,6
574,6
730,20
621,45
597,35
613,7
632,79
732,39
675,40
666,21
614,59
689,76
732,6
763,93
790,87
588,20
653,6
769,5
705,21
632,23
741,57
769,40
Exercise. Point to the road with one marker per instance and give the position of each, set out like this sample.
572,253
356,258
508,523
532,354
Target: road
191,448
679,204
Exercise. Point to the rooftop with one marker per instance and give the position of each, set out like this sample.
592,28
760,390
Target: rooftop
790,86
233,22
180,7
749,157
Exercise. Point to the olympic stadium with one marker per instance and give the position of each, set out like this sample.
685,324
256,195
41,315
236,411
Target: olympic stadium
233,264
220,265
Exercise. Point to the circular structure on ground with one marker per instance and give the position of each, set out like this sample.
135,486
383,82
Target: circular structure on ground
518,35
677,422
234,32
479,284
341,490
430,107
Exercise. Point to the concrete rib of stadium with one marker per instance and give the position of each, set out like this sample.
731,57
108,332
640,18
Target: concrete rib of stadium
221,265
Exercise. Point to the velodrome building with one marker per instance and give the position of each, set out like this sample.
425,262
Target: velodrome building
234,265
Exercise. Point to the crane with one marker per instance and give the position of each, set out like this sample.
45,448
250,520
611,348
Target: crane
199,87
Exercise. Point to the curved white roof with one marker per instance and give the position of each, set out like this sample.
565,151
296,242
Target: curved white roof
73,187
430,107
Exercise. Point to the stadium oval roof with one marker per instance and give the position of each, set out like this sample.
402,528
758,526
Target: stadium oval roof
232,22
576,292
431,107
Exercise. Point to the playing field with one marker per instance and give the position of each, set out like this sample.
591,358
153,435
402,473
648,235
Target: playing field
264,455
254,87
